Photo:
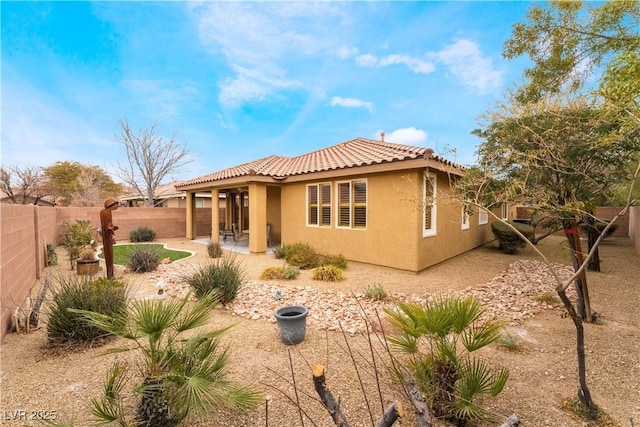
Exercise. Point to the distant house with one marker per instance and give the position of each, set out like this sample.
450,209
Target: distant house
167,196
371,201
30,200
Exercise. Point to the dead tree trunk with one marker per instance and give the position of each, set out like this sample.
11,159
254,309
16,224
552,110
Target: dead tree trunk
391,414
327,398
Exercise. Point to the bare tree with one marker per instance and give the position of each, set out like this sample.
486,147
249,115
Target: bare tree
151,158
88,191
23,185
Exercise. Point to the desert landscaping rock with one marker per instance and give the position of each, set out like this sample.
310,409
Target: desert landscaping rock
516,289
510,296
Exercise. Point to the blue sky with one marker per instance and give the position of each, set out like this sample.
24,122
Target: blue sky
237,81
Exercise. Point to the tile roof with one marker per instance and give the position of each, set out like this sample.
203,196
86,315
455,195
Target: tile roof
350,154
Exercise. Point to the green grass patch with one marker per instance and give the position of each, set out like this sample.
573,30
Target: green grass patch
122,253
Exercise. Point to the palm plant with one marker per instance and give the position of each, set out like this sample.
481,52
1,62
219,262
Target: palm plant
183,373
439,339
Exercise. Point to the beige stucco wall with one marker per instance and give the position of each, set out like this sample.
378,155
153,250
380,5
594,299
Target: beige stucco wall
393,236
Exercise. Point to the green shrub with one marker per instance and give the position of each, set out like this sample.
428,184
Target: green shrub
337,260
280,251
301,255
214,250
142,234
143,259
224,276
509,240
328,273
102,295
181,369
75,236
291,272
52,256
286,272
440,339
375,292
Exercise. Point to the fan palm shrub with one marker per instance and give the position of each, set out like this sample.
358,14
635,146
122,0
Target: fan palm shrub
184,368
439,339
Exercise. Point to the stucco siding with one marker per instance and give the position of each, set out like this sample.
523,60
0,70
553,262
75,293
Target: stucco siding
391,236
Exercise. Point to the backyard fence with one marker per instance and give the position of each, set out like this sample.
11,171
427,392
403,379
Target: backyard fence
25,231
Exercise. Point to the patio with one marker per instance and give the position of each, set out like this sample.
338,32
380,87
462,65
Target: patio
240,246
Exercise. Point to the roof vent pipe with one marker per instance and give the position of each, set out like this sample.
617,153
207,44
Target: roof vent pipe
382,136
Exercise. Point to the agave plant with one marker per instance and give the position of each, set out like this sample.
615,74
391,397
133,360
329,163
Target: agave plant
182,374
439,339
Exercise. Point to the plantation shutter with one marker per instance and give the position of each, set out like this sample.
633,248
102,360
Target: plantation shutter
312,196
360,204
344,204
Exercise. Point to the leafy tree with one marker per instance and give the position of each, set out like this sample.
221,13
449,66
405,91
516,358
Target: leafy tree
24,185
150,159
568,44
565,156
81,185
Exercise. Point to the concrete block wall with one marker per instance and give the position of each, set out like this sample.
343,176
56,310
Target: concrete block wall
25,231
166,222
18,258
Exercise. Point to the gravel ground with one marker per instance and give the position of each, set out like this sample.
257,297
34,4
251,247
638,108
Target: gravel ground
543,370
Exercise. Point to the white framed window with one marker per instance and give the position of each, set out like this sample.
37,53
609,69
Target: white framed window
504,212
464,222
483,216
429,206
319,205
352,204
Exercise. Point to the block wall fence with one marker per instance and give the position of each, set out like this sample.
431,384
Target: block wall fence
25,231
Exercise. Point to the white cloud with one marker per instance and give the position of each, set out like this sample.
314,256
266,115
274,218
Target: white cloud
259,41
157,97
414,64
465,61
409,136
351,103
38,130
346,52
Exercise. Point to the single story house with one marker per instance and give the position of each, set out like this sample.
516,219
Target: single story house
372,201
167,196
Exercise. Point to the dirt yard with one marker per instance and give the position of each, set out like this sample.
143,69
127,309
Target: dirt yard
543,371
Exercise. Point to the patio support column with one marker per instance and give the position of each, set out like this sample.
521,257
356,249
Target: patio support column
215,215
257,217
190,216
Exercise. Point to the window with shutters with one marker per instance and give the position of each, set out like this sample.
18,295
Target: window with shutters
430,187
465,217
352,204
504,212
319,205
483,216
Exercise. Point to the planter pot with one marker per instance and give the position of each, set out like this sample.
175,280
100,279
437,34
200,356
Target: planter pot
292,322
87,267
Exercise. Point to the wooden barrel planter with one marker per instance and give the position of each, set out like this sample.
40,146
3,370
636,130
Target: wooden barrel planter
87,267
